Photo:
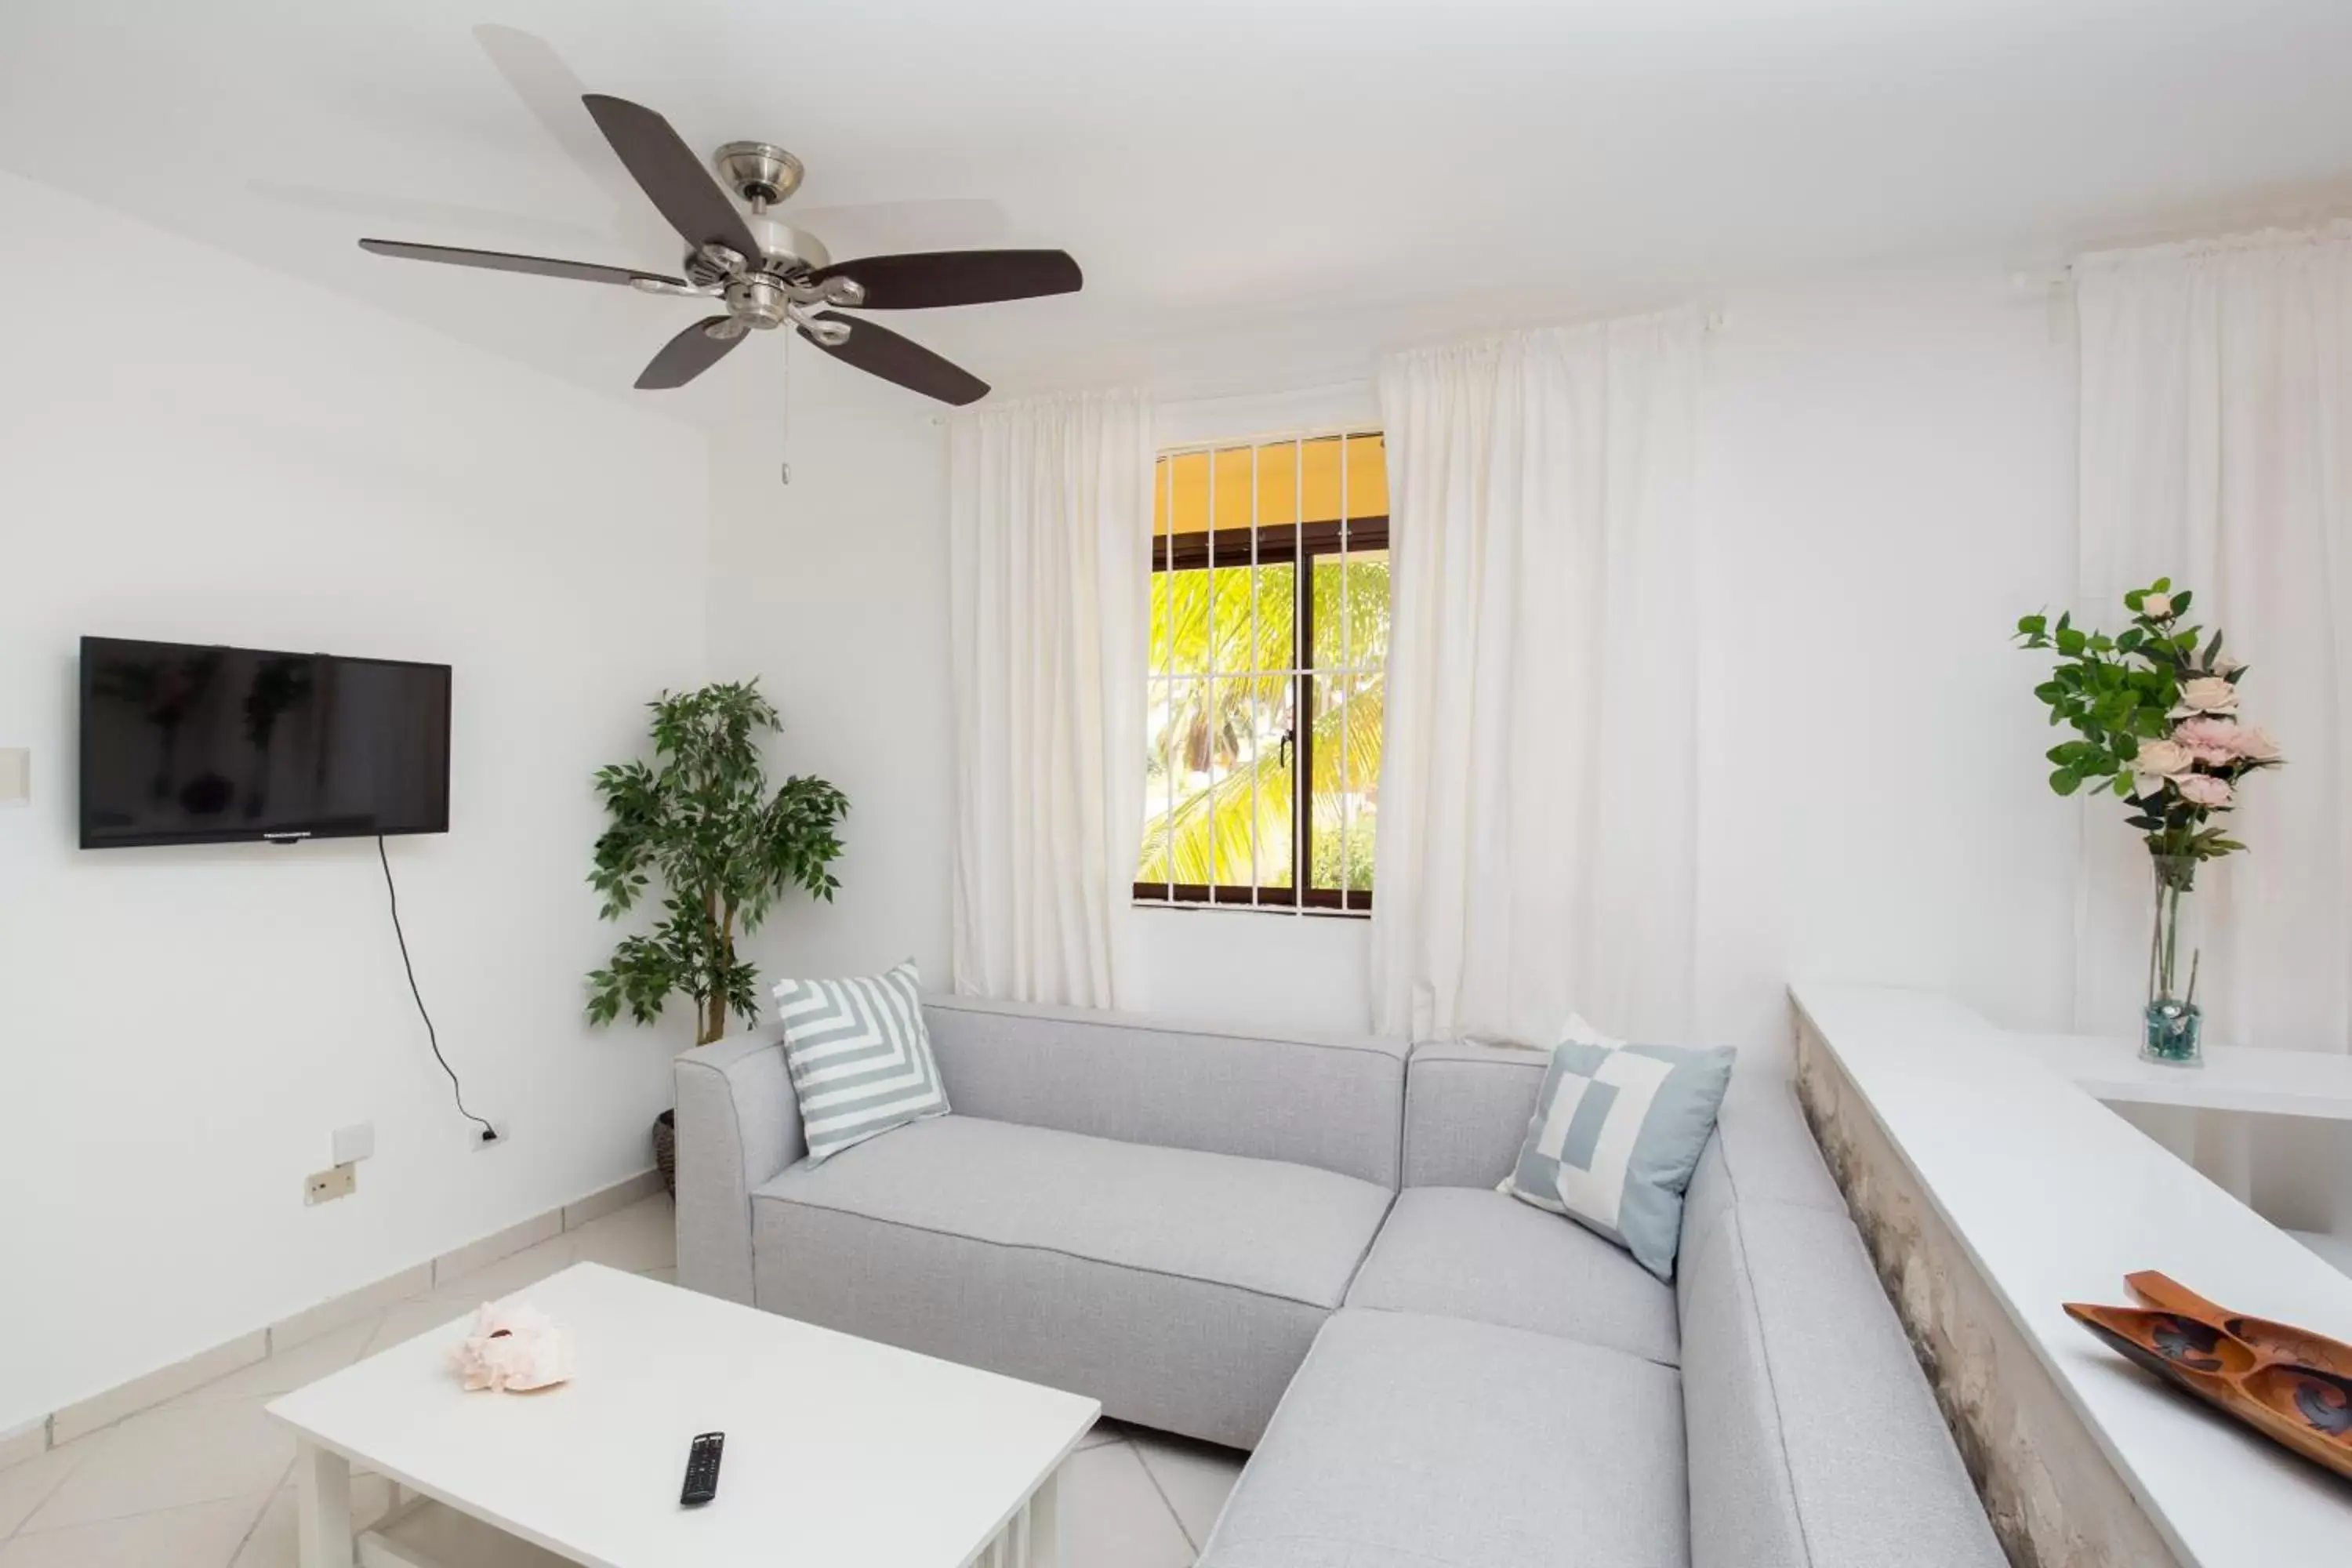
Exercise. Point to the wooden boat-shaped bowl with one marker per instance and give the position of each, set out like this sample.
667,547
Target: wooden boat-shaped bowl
2290,1385
2280,1342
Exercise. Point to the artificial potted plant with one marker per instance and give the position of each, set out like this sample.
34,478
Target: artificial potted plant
701,818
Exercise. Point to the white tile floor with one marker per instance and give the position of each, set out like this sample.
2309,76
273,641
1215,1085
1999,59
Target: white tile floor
203,1481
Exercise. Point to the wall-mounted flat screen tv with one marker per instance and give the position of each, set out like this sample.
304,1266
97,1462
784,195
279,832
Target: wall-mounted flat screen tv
189,744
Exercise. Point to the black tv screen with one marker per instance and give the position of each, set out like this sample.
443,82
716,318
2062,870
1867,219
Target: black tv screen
188,744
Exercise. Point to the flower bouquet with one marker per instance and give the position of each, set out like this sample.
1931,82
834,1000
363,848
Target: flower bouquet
2157,715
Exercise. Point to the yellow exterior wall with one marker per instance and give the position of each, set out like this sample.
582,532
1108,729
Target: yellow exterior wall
1181,484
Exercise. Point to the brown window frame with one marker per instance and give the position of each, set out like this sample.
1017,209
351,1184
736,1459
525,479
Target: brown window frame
1277,544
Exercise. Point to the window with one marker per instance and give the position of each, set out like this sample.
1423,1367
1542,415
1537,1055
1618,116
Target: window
1269,645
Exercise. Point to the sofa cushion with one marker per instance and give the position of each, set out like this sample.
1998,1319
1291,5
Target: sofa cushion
1329,1101
1763,1152
1466,1111
1466,1252
1410,1441
1179,1289
1814,1441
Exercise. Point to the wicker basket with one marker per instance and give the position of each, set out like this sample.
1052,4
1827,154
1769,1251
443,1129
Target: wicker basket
666,1149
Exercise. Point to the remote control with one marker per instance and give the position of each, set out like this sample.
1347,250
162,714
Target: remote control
702,1469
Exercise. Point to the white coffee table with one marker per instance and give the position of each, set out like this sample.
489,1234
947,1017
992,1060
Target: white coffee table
839,1450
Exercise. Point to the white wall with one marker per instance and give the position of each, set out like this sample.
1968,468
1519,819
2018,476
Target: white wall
192,448
833,591
1886,485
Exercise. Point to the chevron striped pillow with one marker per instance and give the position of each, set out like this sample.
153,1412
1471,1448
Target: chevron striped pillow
859,1056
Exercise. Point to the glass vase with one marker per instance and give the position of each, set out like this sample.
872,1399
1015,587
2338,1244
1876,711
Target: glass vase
2172,1026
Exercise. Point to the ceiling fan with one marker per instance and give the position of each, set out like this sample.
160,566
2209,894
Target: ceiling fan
765,273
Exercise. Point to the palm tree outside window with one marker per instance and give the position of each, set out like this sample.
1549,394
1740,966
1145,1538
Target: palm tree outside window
1269,647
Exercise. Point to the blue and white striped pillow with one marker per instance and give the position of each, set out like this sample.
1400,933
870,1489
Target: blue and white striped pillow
859,1056
1617,1131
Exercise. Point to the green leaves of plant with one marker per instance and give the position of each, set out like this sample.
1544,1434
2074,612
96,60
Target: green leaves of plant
2116,692
701,819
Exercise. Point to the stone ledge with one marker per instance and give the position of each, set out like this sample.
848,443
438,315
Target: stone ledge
2054,1500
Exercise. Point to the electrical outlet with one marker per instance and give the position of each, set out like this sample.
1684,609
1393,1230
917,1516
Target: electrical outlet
326,1186
481,1140
16,775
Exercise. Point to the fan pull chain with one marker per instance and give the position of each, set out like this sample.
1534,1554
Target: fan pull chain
787,464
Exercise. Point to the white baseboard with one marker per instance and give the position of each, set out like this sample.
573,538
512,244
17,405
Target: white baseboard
21,1443
83,1417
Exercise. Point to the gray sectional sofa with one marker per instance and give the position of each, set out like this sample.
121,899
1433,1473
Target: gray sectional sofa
1294,1245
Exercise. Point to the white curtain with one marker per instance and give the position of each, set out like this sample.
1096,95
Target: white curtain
2217,450
1537,804
1049,571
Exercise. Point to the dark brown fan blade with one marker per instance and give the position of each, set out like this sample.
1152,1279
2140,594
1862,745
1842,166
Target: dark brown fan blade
687,355
666,170
877,350
504,261
925,279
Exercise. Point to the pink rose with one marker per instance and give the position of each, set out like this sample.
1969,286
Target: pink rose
2255,744
2207,694
2158,761
2203,789
2213,742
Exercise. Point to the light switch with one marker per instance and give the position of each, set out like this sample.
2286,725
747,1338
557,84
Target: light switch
355,1143
16,775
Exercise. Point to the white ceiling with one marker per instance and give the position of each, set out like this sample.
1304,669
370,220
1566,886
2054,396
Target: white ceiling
1260,194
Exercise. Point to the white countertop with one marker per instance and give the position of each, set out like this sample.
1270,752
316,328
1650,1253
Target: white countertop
2234,1078
2056,1198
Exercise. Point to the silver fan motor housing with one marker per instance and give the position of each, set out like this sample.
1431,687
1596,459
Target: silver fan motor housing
785,251
772,288
758,300
761,173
